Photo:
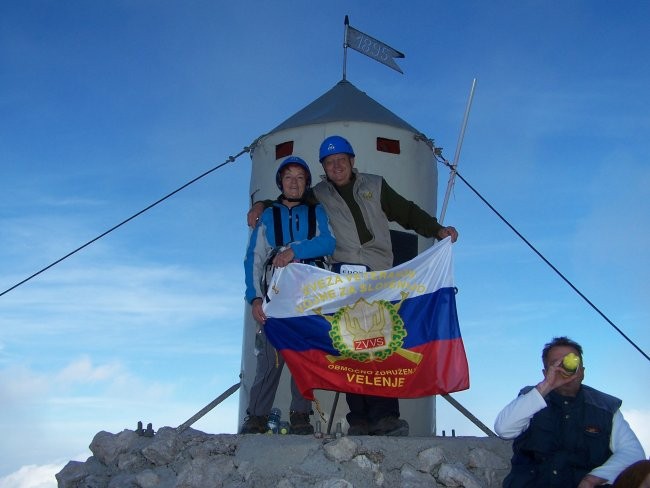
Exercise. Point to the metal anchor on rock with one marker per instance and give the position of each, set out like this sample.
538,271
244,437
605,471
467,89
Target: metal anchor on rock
144,433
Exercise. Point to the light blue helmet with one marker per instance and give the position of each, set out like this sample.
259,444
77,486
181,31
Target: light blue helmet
334,145
292,160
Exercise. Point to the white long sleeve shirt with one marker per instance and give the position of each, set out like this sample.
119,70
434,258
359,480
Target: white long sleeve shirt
625,446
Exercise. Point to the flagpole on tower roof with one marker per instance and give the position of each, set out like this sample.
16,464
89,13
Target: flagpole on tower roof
369,46
345,45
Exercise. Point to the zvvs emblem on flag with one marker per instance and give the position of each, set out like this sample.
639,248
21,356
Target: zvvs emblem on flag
369,332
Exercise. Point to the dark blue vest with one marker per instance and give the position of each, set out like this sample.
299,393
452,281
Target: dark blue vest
564,441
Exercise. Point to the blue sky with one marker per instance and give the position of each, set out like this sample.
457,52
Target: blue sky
108,106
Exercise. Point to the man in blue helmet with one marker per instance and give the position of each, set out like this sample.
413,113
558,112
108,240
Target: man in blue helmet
360,206
291,230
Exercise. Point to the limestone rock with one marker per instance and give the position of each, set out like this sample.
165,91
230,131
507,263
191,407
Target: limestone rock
195,459
457,475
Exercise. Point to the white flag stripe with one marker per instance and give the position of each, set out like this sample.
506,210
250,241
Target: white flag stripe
299,289
373,48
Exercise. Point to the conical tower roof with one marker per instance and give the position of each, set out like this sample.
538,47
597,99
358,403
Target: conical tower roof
344,102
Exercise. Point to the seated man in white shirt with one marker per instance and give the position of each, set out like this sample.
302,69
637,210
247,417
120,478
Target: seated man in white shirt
566,434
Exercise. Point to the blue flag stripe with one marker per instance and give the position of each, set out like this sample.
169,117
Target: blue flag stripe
427,318
431,317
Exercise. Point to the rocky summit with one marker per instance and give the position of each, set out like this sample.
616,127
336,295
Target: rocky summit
193,459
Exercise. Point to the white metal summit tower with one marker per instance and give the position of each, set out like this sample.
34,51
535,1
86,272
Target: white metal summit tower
384,144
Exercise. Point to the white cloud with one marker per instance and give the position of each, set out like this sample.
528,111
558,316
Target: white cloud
112,379
56,412
81,384
18,383
32,476
83,371
112,299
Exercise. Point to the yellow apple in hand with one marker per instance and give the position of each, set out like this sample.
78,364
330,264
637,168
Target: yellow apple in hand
571,362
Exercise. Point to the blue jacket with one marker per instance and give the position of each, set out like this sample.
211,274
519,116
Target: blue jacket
294,226
564,441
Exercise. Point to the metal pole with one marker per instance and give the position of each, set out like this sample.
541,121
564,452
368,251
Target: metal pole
334,403
208,407
452,176
345,46
450,185
469,415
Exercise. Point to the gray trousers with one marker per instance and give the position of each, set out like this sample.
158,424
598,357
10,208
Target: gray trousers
267,377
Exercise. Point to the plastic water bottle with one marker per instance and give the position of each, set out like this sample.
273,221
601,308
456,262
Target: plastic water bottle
273,423
259,342
284,427
338,433
318,433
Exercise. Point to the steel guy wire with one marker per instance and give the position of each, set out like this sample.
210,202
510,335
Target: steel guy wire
566,280
137,214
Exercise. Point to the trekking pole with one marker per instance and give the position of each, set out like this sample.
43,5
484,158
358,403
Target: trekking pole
184,426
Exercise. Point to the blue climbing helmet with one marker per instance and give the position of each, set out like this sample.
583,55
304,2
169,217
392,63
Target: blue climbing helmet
292,160
334,145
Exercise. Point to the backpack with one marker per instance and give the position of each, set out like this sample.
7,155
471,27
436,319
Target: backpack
269,269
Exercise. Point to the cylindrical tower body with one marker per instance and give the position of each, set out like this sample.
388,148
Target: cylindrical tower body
384,145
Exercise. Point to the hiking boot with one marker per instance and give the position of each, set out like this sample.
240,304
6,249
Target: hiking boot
300,424
391,426
358,428
254,424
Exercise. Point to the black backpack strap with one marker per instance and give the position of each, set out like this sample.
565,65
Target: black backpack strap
311,219
277,226
320,261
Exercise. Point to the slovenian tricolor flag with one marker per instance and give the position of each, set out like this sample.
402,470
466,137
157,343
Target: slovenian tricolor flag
391,333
